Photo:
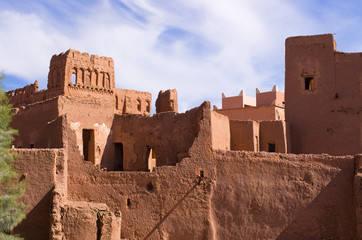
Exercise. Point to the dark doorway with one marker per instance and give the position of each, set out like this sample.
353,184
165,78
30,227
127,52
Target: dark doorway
118,156
88,145
271,147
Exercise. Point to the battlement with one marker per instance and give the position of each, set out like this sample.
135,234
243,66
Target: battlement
74,68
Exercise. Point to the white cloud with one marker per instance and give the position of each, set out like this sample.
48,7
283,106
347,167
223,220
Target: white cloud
201,48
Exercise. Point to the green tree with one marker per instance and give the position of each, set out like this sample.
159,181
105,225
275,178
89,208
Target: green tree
11,210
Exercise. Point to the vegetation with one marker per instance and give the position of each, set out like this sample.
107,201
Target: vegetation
11,210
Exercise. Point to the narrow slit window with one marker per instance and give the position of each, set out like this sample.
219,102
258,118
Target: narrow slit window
309,83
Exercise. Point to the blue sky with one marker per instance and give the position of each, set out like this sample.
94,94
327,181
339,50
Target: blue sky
200,47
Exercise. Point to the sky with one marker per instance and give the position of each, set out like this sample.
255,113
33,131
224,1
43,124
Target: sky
202,48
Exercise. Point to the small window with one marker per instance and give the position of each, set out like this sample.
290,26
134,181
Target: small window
117,102
309,83
271,147
74,78
32,145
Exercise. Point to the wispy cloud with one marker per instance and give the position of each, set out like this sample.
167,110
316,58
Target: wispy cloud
200,47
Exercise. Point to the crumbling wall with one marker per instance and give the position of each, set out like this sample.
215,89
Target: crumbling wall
167,101
168,134
36,167
154,205
282,196
39,125
132,102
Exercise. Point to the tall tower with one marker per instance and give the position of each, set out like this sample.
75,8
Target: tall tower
322,96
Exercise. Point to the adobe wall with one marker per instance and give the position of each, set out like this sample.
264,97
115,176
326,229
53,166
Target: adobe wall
273,132
159,204
325,118
93,72
132,102
169,134
39,125
36,167
244,135
282,196
254,113
167,101
275,98
220,131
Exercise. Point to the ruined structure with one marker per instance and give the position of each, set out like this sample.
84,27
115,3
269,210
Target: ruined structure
98,166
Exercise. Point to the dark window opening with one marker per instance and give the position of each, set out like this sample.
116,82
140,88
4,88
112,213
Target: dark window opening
88,145
128,202
118,156
309,83
150,187
271,147
117,102
32,145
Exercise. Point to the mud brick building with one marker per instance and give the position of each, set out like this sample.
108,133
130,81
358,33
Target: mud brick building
99,166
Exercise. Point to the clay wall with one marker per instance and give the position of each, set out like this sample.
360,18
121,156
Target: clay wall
237,101
220,131
244,135
133,102
89,71
263,113
36,167
169,135
323,96
274,98
282,196
159,204
167,101
272,136
38,125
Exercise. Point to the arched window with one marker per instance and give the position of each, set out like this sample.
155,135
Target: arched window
82,75
108,81
74,76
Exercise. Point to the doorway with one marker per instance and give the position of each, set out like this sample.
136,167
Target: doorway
118,156
88,145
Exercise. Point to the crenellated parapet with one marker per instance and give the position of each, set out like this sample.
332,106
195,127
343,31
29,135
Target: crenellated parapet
78,70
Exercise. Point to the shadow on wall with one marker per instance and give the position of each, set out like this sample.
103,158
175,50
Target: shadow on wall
328,216
139,143
37,222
